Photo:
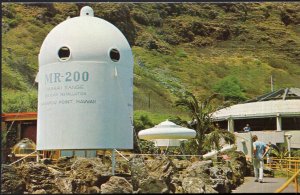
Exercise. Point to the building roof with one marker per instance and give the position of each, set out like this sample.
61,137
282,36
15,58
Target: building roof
283,102
283,94
20,116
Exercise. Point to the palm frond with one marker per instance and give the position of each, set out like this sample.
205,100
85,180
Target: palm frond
201,113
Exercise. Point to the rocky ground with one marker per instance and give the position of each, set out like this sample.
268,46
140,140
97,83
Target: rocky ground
141,174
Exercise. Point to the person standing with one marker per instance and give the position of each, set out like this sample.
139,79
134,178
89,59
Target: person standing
259,150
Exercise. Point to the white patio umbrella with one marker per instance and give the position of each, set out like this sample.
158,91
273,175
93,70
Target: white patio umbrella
167,134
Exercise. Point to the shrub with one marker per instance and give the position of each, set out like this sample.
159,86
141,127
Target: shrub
230,88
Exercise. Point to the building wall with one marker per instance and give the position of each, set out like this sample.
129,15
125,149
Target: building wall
29,131
295,139
243,140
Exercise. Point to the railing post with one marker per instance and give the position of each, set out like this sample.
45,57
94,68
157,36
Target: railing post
287,167
296,184
296,167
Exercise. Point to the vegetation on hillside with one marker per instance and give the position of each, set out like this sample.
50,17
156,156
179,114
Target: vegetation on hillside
177,47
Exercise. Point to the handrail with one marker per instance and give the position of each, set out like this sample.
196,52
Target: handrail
285,185
295,163
22,158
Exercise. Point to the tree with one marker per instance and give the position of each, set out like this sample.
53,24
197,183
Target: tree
230,88
206,132
201,116
280,153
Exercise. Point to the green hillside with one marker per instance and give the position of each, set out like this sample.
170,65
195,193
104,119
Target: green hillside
176,47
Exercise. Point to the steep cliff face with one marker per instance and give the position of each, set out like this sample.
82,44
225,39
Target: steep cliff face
176,46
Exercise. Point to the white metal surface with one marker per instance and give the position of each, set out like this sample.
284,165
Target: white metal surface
215,152
210,154
85,97
167,130
270,108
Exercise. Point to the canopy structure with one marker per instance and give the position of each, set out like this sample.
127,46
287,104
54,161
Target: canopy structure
167,134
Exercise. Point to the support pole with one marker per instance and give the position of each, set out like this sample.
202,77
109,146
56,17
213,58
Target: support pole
37,156
278,123
289,136
272,87
251,147
230,126
113,161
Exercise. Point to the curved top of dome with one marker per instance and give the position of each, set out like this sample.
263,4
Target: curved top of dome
85,38
25,146
166,123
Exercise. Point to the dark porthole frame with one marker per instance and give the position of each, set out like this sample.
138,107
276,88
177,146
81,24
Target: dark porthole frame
114,55
64,53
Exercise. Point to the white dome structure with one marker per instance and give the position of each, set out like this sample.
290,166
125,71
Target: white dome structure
85,38
167,133
85,92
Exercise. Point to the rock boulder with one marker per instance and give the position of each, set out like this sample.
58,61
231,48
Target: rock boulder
116,185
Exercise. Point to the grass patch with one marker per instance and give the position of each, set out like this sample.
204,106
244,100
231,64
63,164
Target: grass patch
156,118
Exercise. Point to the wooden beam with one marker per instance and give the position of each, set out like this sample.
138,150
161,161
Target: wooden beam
22,116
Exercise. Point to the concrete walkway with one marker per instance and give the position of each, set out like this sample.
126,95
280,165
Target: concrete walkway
270,185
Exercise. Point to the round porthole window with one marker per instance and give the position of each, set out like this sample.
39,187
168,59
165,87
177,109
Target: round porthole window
114,55
64,53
